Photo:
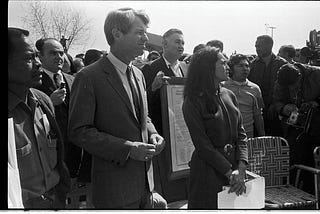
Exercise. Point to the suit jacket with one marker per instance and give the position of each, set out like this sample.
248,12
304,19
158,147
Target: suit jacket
171,190
72,153
101,120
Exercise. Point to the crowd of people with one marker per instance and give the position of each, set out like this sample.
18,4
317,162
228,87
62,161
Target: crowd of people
96,118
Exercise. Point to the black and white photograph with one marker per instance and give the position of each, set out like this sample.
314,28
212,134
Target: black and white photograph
163,106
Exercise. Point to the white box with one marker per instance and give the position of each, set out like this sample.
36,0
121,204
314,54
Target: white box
254,198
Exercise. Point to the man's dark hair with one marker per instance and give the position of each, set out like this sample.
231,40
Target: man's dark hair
216,43
198,47
13,34
40,43
91,56
122,19
80,55
290,50
266,38
235,59
306,52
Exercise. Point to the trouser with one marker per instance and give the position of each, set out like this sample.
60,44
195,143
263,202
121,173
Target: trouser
145,202
48,200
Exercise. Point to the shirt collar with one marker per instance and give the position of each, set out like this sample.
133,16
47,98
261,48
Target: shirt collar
170,64
50,74
239,83
14,100
118,63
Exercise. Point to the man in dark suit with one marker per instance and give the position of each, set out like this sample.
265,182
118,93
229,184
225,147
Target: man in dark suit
57,85
157,74
109,117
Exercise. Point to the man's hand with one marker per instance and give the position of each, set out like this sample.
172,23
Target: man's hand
159,81
142,151
58,96
158,141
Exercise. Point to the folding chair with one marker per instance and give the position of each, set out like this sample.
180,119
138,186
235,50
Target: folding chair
269,157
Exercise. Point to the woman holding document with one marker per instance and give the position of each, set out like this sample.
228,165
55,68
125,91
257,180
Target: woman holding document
215,124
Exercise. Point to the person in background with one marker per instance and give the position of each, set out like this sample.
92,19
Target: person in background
214,121
80,56
288,52
217,44
263,72
68,66
153,55
198,47
44,176
91,56
248,95
109,117
78,65
156,75
297,93
57,85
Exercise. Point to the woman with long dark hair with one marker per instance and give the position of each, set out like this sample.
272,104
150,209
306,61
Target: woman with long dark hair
215,124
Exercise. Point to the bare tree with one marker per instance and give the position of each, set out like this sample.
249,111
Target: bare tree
58,22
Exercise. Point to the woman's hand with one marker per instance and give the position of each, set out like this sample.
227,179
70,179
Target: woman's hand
237,183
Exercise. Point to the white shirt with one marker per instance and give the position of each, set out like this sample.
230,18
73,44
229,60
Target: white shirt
175,67
50,74
121,69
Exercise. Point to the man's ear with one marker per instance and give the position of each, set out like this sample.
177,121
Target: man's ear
40,56
116,33
164,43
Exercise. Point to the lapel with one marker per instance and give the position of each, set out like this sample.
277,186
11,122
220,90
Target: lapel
115,81
47,83
167,71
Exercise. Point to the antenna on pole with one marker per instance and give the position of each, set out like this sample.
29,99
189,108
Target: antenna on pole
271,27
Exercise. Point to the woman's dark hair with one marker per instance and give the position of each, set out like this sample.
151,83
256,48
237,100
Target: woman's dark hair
201,74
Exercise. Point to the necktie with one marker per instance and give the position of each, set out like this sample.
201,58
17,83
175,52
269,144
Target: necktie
134,93
58,79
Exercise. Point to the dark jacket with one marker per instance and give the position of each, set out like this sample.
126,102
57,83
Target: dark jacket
210,133
265,76
154,101
310,91
72,152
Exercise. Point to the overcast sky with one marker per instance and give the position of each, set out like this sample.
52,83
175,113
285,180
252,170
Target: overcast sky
236,23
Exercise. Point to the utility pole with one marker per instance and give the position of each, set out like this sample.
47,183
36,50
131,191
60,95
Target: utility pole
271,27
